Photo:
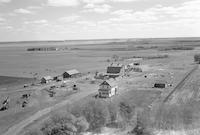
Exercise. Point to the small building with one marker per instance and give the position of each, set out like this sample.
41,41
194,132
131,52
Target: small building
137,69
130,65
46,79
57,78
160,84
136,63
107,89
71,73
115,70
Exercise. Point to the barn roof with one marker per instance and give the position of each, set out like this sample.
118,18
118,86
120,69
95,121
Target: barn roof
72,72
114,68
116,65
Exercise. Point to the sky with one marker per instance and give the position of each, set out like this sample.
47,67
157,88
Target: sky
22,20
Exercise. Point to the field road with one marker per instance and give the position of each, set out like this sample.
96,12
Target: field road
16,129
181,83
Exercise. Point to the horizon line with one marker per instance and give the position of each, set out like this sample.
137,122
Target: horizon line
95,39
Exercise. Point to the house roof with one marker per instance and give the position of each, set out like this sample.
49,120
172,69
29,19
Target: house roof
47,78
72,72
110,82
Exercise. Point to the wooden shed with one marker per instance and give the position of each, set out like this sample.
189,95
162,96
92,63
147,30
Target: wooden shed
71,73
46,79
160,84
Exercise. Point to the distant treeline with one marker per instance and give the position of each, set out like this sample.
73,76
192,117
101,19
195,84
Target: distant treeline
177,48
43,49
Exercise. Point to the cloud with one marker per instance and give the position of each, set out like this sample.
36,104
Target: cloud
2,19
123,0
130,16
71,18
63,3
34,7
122,12
104,8
5,1
86,23
94,1
105,1
158,21
159,13
23,11
43,21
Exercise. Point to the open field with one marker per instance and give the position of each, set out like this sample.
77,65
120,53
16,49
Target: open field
7,82
160,59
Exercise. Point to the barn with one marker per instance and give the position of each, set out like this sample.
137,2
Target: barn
46,79
71,73
107,89
115,70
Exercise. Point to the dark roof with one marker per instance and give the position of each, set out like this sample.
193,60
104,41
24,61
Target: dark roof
109,82
114,68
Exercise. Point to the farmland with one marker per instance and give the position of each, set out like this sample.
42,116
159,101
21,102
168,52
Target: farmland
160,59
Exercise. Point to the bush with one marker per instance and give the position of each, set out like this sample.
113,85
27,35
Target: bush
113,110
64,124
34,132
96,114
197,58
169,48
81,124
177,117
126,112
115,57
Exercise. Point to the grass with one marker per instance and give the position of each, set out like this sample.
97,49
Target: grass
6,81
100,113
172,117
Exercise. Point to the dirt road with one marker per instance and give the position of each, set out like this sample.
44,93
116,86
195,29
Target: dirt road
181,83
16,129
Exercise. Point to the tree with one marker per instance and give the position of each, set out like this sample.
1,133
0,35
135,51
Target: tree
197,58
115,57
82,124
64,124
96,113
126,111
33,132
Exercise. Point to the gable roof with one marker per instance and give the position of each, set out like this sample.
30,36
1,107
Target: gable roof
109,82
72,72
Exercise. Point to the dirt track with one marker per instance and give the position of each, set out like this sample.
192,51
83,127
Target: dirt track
16,129
181,83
